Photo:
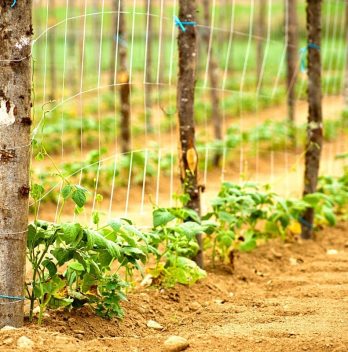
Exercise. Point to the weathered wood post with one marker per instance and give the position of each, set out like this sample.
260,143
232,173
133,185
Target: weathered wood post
261,33
15,107
123,80
292,56
315,115
346,70
188,157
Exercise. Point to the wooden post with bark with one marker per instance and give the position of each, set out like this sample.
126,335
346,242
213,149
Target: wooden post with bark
214,80
315,118
149,68
188,157
346,70
123,81
114,40
261,33
15,120
292,57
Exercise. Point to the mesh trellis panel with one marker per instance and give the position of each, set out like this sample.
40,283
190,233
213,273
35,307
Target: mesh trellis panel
91,56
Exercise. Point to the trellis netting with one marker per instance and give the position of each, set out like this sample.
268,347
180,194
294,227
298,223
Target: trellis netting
97,61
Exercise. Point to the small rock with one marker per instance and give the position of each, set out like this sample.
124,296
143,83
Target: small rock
293,261
276,254
331,252
154,325
80,332
25,342
8,328
346,245
8,341
145,297
142,310
176,344
219,301
185,309
36,310
147,281
79,336
195,306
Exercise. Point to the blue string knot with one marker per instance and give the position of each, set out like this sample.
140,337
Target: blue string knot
182,24
303,52
13,298
120,40
305,223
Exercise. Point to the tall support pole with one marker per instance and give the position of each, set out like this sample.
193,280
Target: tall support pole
15,108
346,70
315,115
292,56
261,34
123,80
188,157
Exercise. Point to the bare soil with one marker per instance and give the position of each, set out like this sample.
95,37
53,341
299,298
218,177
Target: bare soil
281,297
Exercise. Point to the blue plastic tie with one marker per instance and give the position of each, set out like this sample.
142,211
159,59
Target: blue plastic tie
120,40
14,3
305,223
182,25
303,52
13,298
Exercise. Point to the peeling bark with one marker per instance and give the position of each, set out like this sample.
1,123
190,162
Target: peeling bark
346,73
315,118
261,34
188,157
123,80
292,56
15,88
114,45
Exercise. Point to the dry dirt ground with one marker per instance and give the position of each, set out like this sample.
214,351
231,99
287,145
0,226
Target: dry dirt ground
281,297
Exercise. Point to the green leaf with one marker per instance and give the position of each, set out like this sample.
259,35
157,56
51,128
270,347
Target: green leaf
31,236
190,229
96,217
76,266
116,225
161,217
247,246
70,232
329,216
50,266
66,191
97,240
37,192
226,217
40,156
62,255
79,196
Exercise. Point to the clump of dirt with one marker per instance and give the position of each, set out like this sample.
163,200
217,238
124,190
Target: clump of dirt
281,297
